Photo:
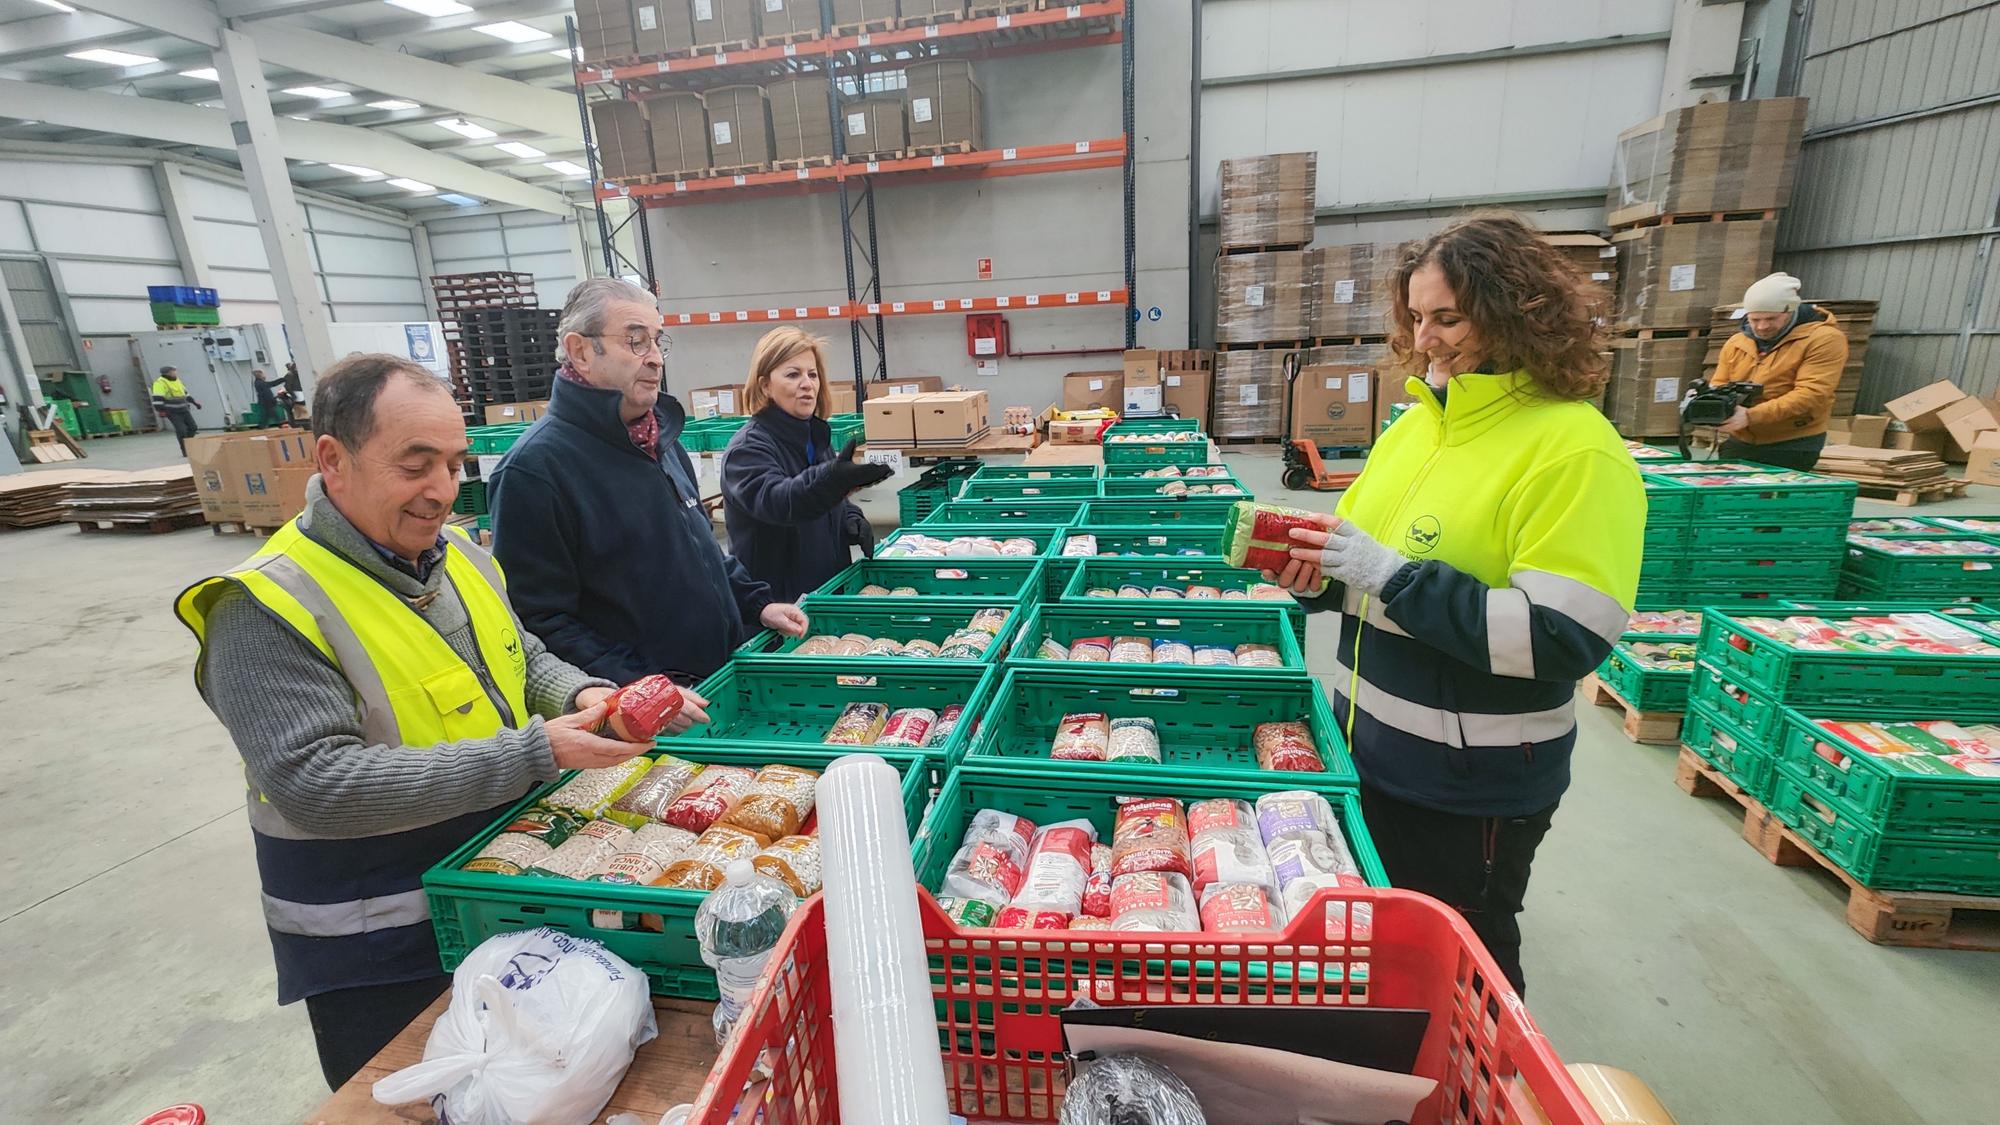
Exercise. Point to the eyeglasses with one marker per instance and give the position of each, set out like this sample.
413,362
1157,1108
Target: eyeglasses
640,343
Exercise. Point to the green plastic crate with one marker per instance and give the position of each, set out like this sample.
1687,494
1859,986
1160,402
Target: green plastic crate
933,487
1057,574
1047,540
1793,498
1844,679
1033,473
903,619
1750,715
1045,799
1976,525
1972,570
1763,574
1658,569
1115,574
1165,512
1665,538
1876,860
1156,453
166,312
1740,759
490,440
988,581
471,498
1667,500
1148,489
1042,511
780,703
1154,426
1899,525
1896,794
467,907
1767,540
1139,471
1205,720
1085,488
846,428
1184,621
1646,688
1186,541
1960,609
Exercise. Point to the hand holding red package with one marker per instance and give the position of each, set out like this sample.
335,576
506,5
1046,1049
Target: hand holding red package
1259,536
642,709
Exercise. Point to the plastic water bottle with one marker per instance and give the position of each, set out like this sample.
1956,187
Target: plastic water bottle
738,925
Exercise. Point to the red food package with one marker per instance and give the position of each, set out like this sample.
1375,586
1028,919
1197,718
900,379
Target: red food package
1097,892
1259,536
1024,918
642,709
1240,907
1287,746
705,801
1150,835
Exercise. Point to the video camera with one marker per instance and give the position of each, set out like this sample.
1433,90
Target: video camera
1712,406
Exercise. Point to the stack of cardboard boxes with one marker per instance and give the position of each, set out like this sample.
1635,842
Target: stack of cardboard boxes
944,419
944,104
604,30
1153,382
1943,419
663,27
788,19
801,127
256,478
874,126
1266,282
624,146
739,127
678,127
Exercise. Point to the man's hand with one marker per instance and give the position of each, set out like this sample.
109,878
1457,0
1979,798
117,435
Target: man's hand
1737,423
577,747
785,618
693,710
592,696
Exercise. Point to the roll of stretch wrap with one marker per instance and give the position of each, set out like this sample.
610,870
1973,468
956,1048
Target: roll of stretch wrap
884,1027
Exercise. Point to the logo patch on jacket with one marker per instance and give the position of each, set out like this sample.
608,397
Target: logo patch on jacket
511,642
1423,536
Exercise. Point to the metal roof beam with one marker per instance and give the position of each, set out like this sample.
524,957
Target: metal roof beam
272,9
43,36
491,13
183,19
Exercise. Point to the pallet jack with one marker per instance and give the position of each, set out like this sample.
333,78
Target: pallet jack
1304,468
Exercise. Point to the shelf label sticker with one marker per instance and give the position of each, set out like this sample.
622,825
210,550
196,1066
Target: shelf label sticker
930,31
773,314
1104,294
722,133
833,310
1343,291
874,308
802,174
874,165
685,318
791,49
1007,154
937,161
896,306
1003,21
680,186
1074,11
937,306
862,40
802,313
1072,298
664,66
1083,146
742,314
965,302
1253,296
920,109
740,180
715,318
1680,277
1034,298
721,57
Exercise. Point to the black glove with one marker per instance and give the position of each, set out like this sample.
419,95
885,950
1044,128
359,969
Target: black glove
846,474
859,532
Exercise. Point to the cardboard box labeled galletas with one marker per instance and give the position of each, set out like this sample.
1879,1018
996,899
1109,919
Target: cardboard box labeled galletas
1334,406
503,413
950,417
1923,408
1093,390
890,419
1982,463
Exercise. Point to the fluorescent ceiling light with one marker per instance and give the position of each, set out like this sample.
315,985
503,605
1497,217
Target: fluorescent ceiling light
567,167
466,128
513,31
212,103
393,103
205,73
431,7
574,55
58,5
516,148
357,170
411,185
460,200
109,57
298,117
320,92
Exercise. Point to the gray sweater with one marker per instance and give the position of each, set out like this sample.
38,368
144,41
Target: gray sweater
294,719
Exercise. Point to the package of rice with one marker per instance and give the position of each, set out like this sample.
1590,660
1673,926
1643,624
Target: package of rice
1131,650
1153,902
653,848
857,725
793,861
586,852
1133,740
903,592
921,648
1058,868
1133,590
550,826
1203,593
707,797
874,591
1051,649
851,644
1228,846
1089,922
941,730
1092,650
1258,656
1167,593
1100,592
1199,489
649,797
883,646
1235,908
1234,595
1080,546
1019,547
776,802
989,863
1171,650
969,912
972,546
1258,536
509,853
1287,746
1097,892
991,620
702,867
1173,488
908,727
1150,834
1306,846
1027,918
1214,656
821,644
1269,592
590,792
1083,736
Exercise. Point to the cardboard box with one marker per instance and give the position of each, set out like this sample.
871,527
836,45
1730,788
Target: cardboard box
907,385
1674,276
724,22
1928,441
1982,463
516,412
1334,406
677,127
1143,391
840,396
1648,377
1082,432
1142,362
890,420
777,18
1267,200
1923,408
1093,390
739,127
801,128
950,417
1391,388
269,470
1249,394
863,11
624,139
272,496
662,27
1184,394
1867,430
221,502
1964,421
874,125
943,98
711,402
605,30
1718,156
1350,295
1265,297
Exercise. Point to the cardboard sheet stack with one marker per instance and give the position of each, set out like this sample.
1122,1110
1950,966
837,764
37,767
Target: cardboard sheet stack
35,499
137,497
1899,469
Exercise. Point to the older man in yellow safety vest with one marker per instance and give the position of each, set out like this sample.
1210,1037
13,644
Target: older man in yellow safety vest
384,697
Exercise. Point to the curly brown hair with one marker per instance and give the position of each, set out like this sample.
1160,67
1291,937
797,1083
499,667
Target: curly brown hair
1530,306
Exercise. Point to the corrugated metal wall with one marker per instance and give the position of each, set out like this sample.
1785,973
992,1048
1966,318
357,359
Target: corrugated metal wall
1899,183
517,241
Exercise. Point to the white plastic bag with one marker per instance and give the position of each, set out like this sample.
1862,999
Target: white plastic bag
540,1030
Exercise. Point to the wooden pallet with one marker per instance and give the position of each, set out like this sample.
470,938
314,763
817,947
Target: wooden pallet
158,526
1271,248
842,30
1695,217
700,49
1910,497
1263,346
930,19
1663,333
1346,341
949,148
1652,728
1001,8
1907,918
801,162
1271,440
235,528
806,36
724,172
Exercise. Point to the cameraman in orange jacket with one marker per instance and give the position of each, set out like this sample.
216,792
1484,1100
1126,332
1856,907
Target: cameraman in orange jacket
1795,352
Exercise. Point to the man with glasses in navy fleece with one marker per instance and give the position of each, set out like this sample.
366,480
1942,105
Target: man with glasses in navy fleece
610,557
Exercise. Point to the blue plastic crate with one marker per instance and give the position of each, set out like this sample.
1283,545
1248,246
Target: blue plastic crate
190,295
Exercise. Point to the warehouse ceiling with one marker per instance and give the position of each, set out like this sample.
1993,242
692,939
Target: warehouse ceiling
423,91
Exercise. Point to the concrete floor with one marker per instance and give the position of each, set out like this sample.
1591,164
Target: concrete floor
1657,940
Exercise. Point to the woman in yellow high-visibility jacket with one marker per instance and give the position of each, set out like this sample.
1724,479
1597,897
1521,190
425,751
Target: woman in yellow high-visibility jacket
1485,560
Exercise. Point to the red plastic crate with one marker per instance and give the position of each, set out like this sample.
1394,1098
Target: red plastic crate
1387,948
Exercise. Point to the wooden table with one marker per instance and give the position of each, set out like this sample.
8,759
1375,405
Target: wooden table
665,1072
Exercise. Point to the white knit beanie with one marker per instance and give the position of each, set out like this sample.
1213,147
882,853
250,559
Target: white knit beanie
1778,292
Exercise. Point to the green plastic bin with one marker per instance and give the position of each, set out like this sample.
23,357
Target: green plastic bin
1183,541
1115,574
988,581
1771,496
902,619
490,440
1047,540
1082,488
1645,687
1156,511
1042,511
1184,621
650,927
1901,863
1753,574
779,703
1972,569
1144,452
1033,473
1842,679
1767,540
471,498
1739,759
1896,794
